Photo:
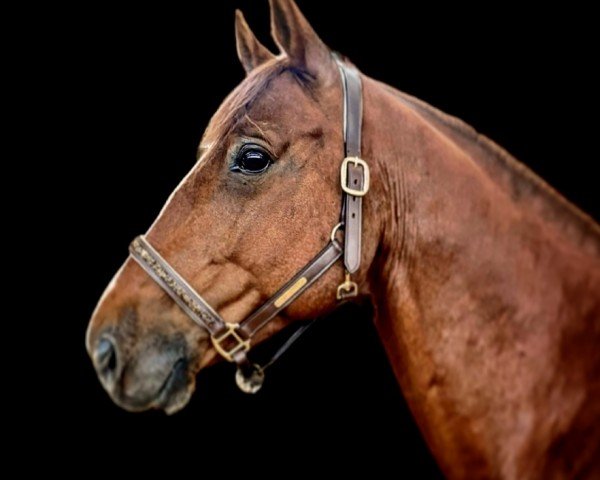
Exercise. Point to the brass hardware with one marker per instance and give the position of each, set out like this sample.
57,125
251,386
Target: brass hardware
231,332
289,293
344,174
347,289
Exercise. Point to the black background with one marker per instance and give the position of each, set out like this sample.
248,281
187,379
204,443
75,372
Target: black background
138,85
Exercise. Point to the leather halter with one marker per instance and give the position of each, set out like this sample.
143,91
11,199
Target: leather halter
233,340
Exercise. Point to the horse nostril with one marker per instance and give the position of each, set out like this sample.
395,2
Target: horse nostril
105,357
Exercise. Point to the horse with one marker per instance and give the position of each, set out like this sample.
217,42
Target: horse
483,280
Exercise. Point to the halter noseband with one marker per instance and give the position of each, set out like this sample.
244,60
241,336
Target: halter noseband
232,340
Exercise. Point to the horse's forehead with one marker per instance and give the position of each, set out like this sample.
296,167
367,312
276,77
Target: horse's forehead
275,99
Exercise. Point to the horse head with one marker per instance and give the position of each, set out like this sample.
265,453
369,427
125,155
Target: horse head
259,203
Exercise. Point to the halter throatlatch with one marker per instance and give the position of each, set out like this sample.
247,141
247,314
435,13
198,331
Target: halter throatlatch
233,340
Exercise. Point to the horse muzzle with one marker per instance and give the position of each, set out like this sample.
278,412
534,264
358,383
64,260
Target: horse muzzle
157,376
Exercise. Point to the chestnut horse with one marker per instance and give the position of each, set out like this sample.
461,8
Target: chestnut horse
485,282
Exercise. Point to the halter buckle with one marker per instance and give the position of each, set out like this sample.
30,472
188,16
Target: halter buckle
355,192
347,289
230,335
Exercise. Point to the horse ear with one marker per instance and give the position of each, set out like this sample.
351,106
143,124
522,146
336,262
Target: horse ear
296,38
250,51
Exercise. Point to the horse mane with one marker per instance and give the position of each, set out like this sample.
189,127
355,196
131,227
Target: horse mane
522,181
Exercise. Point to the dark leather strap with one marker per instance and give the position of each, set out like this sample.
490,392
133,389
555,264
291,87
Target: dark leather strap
353,220
175,286
292,289
355,172
353,109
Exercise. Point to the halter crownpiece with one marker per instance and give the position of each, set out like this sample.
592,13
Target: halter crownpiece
233,340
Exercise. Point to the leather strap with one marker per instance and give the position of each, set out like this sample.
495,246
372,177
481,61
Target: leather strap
352,85
353,220
355,172
175,286
292,289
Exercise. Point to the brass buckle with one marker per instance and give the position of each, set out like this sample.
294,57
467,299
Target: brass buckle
230,334
344,174
347,289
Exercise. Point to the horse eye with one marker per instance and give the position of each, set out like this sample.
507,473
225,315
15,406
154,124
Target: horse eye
251,159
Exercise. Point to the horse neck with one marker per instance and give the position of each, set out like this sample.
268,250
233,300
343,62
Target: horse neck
485,290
